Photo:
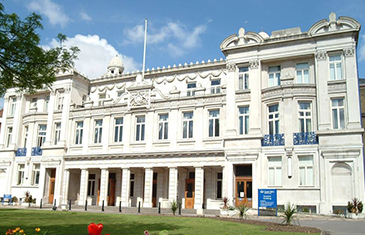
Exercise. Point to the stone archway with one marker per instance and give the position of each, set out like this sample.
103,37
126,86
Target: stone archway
342,186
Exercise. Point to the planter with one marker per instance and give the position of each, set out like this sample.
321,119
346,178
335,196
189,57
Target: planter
228,213
355,216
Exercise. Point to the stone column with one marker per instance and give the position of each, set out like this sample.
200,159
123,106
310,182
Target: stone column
228,181
66,179
84,180
323,101
172,184
118,187
126,174
255,104
50,124
104,180
148,184
65,116
199,187
159,186
352,89
231,101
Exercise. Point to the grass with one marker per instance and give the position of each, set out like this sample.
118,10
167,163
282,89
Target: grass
75,223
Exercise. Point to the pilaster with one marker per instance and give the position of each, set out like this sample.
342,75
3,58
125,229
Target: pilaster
50,124
66,179
126,174
231,100
104,180
255,103
172,184
83,186
199,188
148,184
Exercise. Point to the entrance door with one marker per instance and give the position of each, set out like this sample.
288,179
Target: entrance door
244,191
111,192
154,190
189,193
52,182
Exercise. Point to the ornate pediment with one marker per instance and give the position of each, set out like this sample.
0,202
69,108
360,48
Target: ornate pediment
243,38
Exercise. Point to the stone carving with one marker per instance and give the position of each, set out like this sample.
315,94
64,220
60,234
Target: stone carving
321,55
349,52
139,99
231,67
254,64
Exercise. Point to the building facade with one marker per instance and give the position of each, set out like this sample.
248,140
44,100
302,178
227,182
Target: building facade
280,111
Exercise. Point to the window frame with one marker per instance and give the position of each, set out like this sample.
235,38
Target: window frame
118,130
219,181
98,131
302,73
216,88
335,63
13,101
163,126
188,133
212,123
242,121
304,166
276,118
278,169
9,135
243,78
41,137
276,76
36,173
57,132
21,174
140,128
190,91
305,117
338,113
79,131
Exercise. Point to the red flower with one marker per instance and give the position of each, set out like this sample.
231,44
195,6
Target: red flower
95,229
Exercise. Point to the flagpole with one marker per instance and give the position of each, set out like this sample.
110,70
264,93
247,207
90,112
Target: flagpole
144,48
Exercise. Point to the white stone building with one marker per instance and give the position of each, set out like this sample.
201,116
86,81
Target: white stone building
281,111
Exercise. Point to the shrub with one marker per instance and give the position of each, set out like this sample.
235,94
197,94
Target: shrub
243,208
289,213
174,206
355,206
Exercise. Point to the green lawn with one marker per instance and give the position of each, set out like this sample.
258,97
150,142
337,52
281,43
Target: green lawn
70,223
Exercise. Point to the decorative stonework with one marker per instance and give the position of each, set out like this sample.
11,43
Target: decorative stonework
231,67
139,99
321,55
349,52
254,64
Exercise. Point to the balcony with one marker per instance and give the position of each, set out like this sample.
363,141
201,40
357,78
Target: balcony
305,138
21,152
36,151
273,140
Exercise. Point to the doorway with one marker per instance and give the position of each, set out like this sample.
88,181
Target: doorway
154,190
52,182
111,189
243,185
189,193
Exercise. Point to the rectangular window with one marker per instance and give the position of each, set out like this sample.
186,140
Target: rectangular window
306,171
302,73
215,86
163,127
305,117
34,102
10,136
42,129
274,76
46,103
131,189
36,173
335,63
60,101
243,78
243,120
338,114
219,185
188,125
214,123
140,128
118,130
274,164
25,136
20,180
273,118
98,131
57,134
190,91
79,132
12,106
91,185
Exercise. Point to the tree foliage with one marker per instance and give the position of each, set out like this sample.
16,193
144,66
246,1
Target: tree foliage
23,62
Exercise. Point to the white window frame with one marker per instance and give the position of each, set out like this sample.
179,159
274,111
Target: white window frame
20,175
9,136
305,168
243,78
60,101
190,88
276,168
214,122
337,109
140,128
79,132
46,103
243,119
98,131
57,132
274,76
26,131
188,125
305,115
118,129
335,64
41,135
36,172
273,117
302,72
163,126
12,106
215,88
91,186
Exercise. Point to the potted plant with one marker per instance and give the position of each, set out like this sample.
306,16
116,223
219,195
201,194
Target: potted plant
354,209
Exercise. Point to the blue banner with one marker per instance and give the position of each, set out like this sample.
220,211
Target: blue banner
268,198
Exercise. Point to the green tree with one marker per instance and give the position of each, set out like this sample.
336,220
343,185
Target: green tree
23,62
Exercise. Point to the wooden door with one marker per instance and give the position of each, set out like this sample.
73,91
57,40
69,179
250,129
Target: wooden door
111,192
52,182
189,193
154,193
243,191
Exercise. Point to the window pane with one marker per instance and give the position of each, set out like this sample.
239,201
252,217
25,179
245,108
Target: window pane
246,124
166,131
271,176
306,76
138,131
309,175
190,129
299,76
160,131
243,69
301,176
335,119
278,176
335,58
217,127
241,124
185,130
339,71
116,134
332,72
342,119
142,134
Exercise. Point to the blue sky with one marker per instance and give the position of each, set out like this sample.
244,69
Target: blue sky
178,31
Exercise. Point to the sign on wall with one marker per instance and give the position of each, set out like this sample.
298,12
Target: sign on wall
267,199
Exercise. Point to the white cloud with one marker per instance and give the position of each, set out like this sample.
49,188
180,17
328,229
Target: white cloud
51,10
175,36
95,54
362,48
85,16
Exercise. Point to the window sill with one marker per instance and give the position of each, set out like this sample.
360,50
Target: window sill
243,91
161,142
333,82
190,140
